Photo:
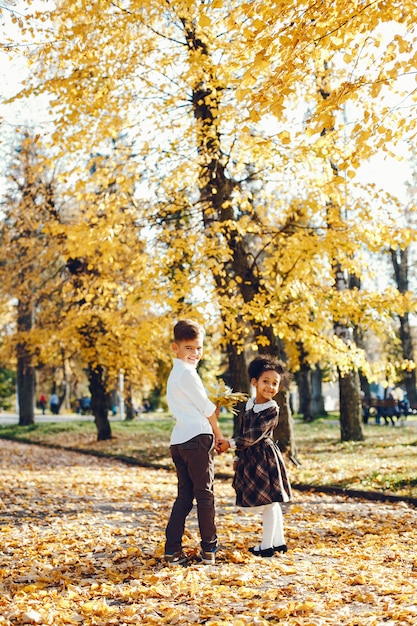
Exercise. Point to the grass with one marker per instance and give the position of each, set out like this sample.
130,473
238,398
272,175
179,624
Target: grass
386,461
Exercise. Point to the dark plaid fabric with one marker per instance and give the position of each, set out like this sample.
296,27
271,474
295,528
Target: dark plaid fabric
261,476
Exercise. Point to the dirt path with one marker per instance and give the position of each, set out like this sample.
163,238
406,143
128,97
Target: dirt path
82,540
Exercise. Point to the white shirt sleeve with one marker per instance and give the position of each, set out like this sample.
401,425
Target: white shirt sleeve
193,387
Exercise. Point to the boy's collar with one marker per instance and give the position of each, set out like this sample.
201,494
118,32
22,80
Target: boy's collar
186,365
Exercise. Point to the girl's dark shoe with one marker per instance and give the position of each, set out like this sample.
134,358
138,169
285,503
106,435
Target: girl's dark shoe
266,554
282,548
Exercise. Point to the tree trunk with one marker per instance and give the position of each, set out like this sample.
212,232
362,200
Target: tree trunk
26,384
216,188
61,393
400,263
129,409
237,378
99,405
349,383
365,386
25,387
349,388
409,378
317,392
303,381
350,407
284,432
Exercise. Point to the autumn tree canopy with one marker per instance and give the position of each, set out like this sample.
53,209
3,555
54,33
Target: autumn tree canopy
211,149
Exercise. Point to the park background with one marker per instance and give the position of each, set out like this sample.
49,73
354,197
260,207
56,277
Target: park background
248,164
227,161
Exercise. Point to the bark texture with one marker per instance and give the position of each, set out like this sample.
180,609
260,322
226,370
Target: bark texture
26,385
99,405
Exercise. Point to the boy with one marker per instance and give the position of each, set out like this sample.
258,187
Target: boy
192,444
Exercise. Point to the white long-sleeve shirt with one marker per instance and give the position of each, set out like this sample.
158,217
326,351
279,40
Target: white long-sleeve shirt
188,403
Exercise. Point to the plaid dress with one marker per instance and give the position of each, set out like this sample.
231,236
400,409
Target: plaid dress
260,476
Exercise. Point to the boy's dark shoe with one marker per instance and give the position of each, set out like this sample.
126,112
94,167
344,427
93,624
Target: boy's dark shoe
178,558
208,558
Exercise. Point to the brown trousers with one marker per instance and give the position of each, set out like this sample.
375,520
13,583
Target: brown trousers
194,464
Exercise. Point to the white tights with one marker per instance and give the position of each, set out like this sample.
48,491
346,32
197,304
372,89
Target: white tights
272,526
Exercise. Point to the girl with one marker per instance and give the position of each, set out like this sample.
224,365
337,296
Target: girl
260,478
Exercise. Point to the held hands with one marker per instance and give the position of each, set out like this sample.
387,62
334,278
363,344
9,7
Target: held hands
222,445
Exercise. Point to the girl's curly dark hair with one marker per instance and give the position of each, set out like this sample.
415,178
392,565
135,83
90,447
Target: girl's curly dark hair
266,362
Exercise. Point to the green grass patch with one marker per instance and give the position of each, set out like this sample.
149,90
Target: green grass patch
145,440
386,461
45,429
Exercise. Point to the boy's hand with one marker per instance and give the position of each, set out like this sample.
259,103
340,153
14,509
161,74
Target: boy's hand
222,445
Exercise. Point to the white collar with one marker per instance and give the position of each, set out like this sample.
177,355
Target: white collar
187,366
257,408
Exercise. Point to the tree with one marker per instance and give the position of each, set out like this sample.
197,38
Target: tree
400,264
30,266
221,214
111,318
236,204
77,291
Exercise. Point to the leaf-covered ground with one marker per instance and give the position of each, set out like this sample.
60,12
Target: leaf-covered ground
82,540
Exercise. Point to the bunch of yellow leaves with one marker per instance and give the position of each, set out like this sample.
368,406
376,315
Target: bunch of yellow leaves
224,396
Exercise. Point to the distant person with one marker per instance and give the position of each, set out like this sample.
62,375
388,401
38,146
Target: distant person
193,441
404,405
260,478
42,403
54,404
83,405
392,411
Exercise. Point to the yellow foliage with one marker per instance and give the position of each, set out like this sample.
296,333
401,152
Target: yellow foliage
180,193
223,396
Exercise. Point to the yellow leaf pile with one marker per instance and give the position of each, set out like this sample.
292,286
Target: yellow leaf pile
82,543
223,396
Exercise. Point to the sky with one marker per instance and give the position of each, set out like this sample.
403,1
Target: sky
388,173
391,174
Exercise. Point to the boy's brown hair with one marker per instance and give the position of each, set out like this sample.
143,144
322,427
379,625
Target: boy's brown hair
188,329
